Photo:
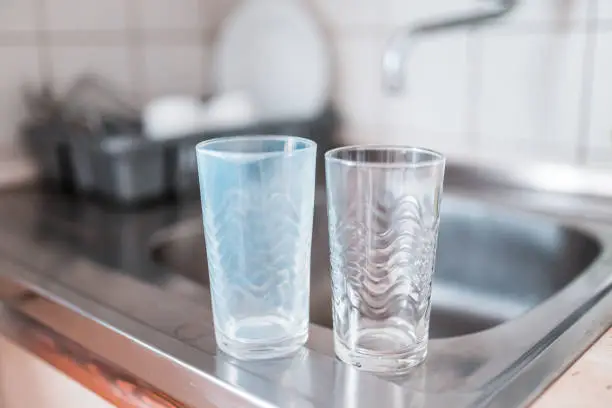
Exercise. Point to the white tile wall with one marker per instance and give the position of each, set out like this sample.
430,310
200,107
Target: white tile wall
171,14
561,13
358,91
516,87
85,15
434,105
175,69
171,37
599,145
342,14
215,11
143,47
19,66
109,62
531,94
412,11
18,15
359,133
604,9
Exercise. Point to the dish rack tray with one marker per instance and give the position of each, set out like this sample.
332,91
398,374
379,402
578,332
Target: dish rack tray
128,168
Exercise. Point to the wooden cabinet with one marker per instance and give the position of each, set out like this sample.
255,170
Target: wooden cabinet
26,381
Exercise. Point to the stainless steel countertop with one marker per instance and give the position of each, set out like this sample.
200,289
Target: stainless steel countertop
79,288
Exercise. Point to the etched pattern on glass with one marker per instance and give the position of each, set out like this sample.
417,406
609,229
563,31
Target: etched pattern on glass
258,244
382,260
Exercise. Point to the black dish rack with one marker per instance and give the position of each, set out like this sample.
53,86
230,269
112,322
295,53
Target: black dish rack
118,164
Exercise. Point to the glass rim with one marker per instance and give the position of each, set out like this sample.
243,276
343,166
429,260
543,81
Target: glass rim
202,147
436,158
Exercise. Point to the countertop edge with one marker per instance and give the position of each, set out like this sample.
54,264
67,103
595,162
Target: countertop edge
62,337
114,364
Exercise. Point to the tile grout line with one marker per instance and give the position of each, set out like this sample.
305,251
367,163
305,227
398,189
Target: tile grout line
475,62
43,45
207,84
587,84
135,48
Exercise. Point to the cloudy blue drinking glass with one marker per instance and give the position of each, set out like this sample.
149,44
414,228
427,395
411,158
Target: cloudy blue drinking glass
257,197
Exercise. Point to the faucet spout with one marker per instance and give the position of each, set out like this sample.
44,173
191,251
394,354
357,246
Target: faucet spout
400,44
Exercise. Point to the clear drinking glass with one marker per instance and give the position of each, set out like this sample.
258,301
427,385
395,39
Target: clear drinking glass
383,205
257,203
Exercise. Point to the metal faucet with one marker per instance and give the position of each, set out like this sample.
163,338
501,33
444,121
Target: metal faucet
398,47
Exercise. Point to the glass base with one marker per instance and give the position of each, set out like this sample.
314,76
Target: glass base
375,359
242,350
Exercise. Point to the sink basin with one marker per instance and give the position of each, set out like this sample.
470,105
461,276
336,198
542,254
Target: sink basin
492,265
521,286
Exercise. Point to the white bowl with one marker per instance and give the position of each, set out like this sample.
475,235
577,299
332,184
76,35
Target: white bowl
172,116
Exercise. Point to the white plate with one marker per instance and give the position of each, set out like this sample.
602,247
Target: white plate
275,52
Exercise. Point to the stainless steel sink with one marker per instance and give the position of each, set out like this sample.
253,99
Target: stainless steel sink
520,276
522,287
492,265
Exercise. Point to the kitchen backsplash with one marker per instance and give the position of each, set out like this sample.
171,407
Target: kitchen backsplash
532,86
535,85
143,47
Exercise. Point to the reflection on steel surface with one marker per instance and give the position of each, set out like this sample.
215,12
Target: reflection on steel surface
522,286
115,385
